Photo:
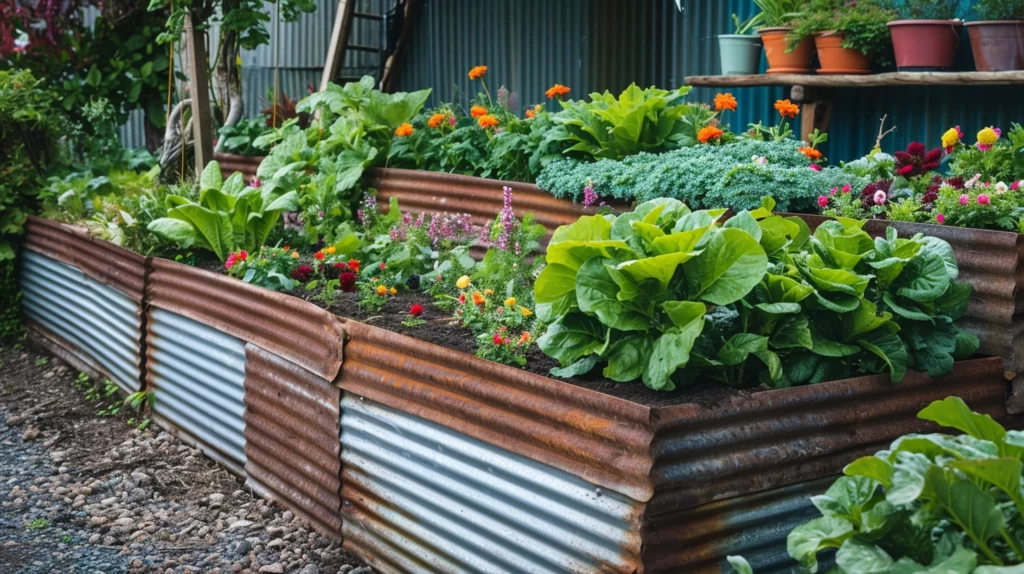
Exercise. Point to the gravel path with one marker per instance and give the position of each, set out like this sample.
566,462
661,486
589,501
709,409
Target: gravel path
90,493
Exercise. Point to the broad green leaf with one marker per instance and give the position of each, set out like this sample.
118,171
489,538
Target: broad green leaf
968,506
681,242
1003,473
828,348
745,221
671,351
660,268
806,540
779,308
944,251
906,310
837,280
211,177
597,293
888,347
574,336
729,267
953,412
791,332
838,302
872,467
908,474
682,313
574,253
925,278
740,346
628,358
176,230
580,367
648,231
586,228
782,289
864,319
739,564
863,558
846,498
554,282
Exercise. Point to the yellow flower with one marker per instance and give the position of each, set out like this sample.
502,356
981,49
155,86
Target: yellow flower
394,291
382,290
295,254
488,291
987,136
526,312
950,138
463,282
510,301
331,250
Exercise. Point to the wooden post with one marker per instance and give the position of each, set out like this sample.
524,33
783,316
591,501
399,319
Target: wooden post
815,110
199,90
339,38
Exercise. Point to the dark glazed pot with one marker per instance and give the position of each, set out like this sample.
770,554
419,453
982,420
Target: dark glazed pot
998,45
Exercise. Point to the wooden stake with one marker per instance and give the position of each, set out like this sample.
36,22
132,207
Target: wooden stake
199,90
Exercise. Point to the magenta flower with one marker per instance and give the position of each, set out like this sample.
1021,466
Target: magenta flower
964,199
507,217
846,188
815,167
589,197
940,218
255,182
823,201
831,193
983,199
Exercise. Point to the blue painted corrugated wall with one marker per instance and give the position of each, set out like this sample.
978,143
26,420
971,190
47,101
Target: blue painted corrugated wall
605,44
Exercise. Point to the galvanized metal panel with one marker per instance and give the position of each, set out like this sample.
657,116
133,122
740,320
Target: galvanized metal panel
287,326
602,439
422,497
95,323
196,374
292,443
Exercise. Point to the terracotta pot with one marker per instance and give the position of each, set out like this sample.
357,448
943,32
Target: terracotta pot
925,45
779,61
998,45
835,59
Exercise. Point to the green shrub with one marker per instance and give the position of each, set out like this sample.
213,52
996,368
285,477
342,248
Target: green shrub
10,301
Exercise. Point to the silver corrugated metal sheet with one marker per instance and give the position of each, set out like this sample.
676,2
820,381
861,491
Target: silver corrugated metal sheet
421,497
197,377
97,324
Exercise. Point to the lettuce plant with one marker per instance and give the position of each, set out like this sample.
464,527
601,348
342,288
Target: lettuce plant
228,216
931,503
667,295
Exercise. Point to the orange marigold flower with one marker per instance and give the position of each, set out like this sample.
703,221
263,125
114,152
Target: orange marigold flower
382,290
530,113
404,130
477,111
477,72
810,152
487,121
787,109
709,133
435,120
478,299
725,101
557,91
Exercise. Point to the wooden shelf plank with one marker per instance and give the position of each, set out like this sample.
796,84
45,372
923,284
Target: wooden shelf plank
865,81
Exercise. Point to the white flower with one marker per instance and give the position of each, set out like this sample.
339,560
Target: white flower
880,197
1001,187
760,160
970,183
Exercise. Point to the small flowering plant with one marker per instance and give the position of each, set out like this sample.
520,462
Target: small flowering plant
504,346
271,267
373,294
996,155
415,313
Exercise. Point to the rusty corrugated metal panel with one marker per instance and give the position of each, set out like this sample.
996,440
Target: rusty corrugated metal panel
755,526
434,192
196,374
287,326
991,261
421,497
230,163
81,319
105,262
773,438
599,438
292,448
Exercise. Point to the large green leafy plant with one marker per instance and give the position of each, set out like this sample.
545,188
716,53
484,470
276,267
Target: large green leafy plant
228,216
931,503
637,120
667,295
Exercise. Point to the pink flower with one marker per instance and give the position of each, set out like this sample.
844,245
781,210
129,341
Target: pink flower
255,182
382,266
830,194
846,188
823,201
243,255
964,199
815,167
230,262
880,197
1015,186
451,120
940,219
983,199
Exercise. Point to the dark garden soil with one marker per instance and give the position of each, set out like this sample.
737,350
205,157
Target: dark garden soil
86,493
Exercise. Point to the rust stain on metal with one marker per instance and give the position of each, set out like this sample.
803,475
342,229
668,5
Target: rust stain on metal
292,445
433,192
101,260
599,438
230,163
287,326
991,261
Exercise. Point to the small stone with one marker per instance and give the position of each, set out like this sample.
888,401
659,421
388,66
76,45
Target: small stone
309,569
238,493
243,547
276,543
275,568
137,534
136,563
203,531
14,420
239,525
30,433
108,501
287,516
275,531
94,539
361,570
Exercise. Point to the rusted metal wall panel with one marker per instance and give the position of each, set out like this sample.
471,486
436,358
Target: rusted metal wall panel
769,439
292,443
602,439
83,320
230,163
432,192
196,374
101,260
420,497
284,325
755,526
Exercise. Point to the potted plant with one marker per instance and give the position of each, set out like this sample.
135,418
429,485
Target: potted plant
776,20
997,38
927,34
740,52
849,36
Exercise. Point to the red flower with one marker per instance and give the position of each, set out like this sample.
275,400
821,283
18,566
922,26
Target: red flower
462,298
416,310
319,255
302,273
498,339
347,281
353,265
382,266
916,161
243,255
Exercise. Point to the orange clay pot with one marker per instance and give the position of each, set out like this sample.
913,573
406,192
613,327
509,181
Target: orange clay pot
779,61
835,59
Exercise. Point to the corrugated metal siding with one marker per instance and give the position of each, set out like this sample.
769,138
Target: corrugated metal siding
420,497
196,374
292,438
102,325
